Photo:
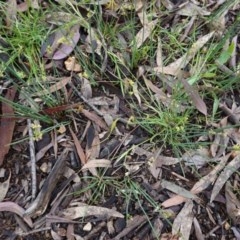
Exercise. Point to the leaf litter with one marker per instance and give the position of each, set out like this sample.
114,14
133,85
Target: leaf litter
102,85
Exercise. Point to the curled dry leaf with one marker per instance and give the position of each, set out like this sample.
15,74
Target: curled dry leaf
144,33
72,65
159,56
161,95
232,204
225,175
136,93
184,227
87,210
15,208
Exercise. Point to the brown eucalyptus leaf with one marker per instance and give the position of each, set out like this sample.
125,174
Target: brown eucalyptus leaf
95,118
177,189
93,150
194,96
175,67
11,12
184,227
61,82
15,208
86,88
7,125
191,9
94,163
87,210
79,148
232,167
198,231
144,33
232,203
205,181
199,186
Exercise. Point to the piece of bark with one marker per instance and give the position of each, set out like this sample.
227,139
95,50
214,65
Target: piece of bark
39,205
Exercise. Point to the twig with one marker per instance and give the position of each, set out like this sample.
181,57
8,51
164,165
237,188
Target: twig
33,160
209,234
34,231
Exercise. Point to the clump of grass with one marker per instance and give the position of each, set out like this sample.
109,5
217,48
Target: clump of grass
128,190
24,65
24,40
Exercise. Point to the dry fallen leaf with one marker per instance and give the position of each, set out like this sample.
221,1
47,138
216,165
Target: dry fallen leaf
94,163
87,210
61,43
232,204
144,33
199,186
197,158
11,13
232,167
198,231
175,67
79,148
86,88
68,44
93,146
95,118
15,208
71,64
160,160
7,125
177,189
194,96
61,82
191,9
184,227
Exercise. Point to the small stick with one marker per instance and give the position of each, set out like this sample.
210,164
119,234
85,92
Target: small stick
85,100
34,231
33,160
